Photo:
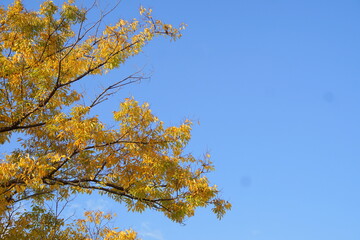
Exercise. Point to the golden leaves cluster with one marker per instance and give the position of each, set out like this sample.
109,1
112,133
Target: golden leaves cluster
65,149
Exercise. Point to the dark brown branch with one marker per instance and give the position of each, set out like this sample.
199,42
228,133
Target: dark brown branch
114,189
122,142
59,85
32,196
115,87
6,129
49,37
49,175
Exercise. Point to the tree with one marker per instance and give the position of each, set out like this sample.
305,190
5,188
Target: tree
63,148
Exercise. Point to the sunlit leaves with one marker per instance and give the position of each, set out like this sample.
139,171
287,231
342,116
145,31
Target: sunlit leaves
64,149
94,227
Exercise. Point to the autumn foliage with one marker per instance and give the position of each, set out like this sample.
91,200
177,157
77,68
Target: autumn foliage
63,148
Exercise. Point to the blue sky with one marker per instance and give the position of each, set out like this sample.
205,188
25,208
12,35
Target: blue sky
275,85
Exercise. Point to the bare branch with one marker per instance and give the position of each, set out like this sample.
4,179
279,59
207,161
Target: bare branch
112,89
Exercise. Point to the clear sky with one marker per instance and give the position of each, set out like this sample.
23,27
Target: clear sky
275,85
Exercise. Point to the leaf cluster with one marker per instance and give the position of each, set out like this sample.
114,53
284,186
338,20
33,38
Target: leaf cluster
66,149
